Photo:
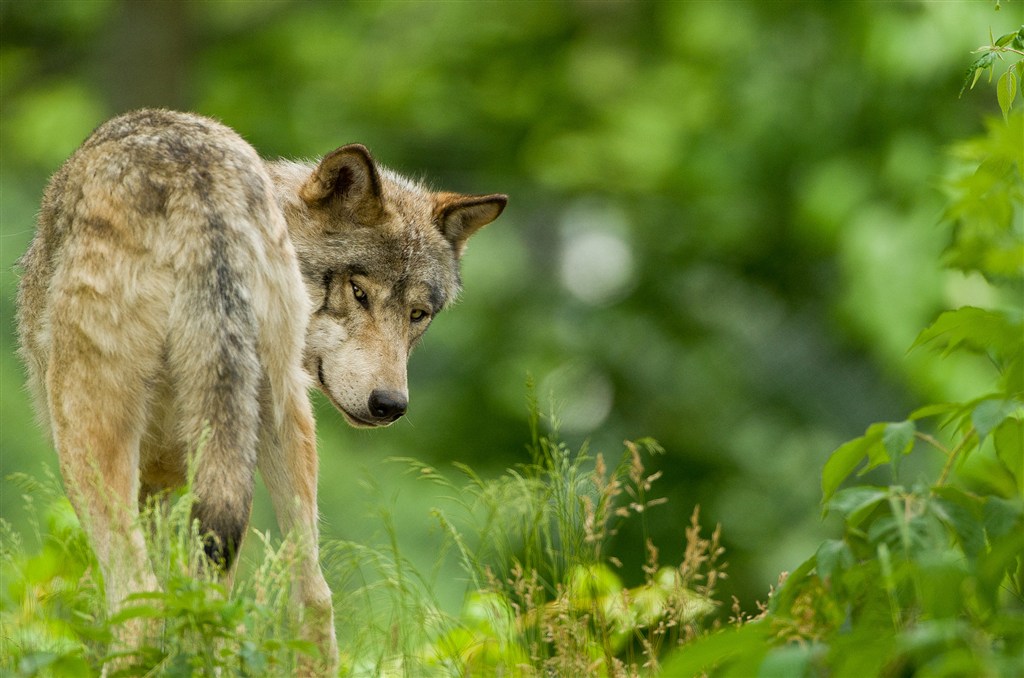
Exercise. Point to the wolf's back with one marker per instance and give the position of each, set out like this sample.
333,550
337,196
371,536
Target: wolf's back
159,258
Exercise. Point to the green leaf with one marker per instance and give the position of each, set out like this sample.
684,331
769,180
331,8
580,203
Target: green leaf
70,666
977,76
975,70
962,514
977,329
1009,444
989,414
1001,561
841,464
1006,92
898,438
855,503
848,457
933,410
833,557
34,662
1005,39
718,649
795,583
1002,516
888,530
788,660
305,647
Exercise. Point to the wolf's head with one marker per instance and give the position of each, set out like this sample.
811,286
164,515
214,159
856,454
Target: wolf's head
379,256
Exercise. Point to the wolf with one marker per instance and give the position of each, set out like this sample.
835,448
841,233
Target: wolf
180,298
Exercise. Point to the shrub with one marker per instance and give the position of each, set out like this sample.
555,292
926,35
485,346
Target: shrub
926,578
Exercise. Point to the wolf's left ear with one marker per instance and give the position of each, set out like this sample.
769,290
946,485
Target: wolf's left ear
460,216
346,177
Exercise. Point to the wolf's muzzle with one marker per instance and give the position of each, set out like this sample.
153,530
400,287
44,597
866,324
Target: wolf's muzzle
387,406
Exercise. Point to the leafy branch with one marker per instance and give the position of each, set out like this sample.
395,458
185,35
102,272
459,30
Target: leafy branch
926,579
1011,44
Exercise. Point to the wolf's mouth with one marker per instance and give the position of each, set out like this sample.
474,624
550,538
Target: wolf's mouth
352,419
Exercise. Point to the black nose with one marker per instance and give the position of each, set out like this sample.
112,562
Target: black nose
388,405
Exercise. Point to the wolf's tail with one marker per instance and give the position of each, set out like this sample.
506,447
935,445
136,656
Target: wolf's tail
212,354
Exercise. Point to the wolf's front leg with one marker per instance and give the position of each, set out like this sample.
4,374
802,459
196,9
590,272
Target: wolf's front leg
288,463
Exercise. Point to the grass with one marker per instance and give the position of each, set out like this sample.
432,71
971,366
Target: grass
55,621
543,595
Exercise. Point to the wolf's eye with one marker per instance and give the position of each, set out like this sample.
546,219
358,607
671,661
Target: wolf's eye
418,316
359,294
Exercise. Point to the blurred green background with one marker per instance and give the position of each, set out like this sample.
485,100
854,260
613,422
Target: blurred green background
724,228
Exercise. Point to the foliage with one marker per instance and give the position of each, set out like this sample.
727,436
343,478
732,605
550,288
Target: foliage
544,597
756,180
47,602
1012,45
926,579
769,213
53,611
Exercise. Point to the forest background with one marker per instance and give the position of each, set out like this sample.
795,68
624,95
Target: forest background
723,233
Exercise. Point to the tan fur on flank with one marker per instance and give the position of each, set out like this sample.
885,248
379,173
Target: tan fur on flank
180,289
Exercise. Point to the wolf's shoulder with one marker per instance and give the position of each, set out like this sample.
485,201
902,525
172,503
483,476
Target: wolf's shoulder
148,161
153,176
161,124
160,137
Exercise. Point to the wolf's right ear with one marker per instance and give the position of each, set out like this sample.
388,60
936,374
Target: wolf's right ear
347,177
460,216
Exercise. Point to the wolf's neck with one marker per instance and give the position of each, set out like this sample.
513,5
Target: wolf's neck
288,177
